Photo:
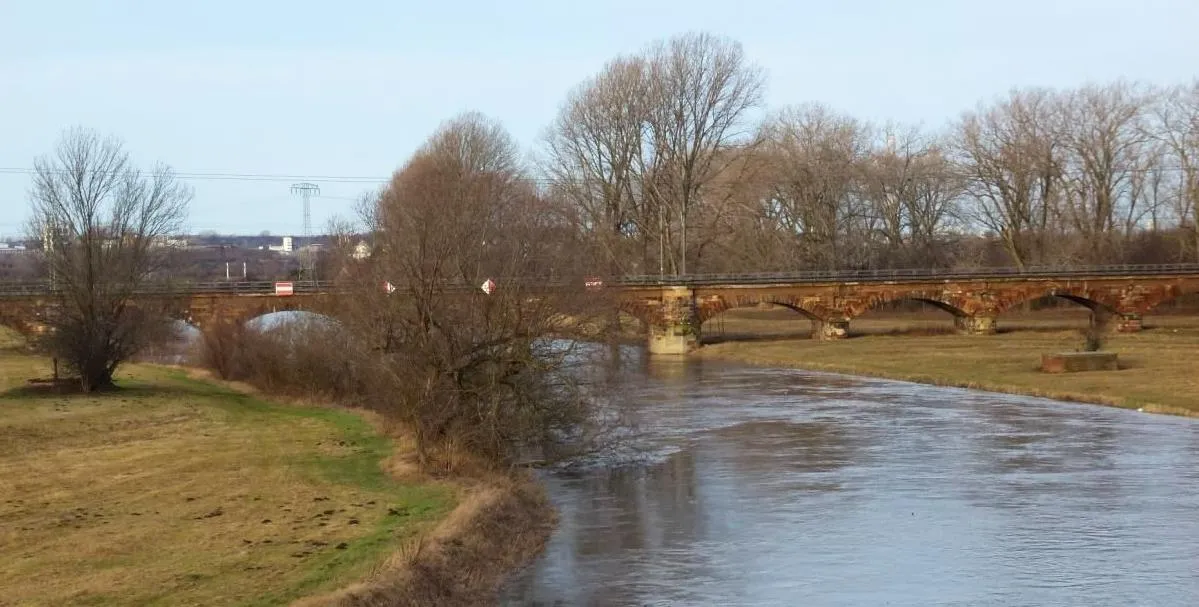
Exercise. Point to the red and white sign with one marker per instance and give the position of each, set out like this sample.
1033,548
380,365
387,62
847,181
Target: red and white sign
284,288
389,288
593,283
488,286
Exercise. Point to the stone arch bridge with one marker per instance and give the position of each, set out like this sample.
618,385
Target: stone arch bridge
24,306
673,309
1118,296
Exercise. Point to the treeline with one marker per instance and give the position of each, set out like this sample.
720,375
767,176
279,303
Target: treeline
665,163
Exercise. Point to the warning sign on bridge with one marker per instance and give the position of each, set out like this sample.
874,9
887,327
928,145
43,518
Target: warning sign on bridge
284,288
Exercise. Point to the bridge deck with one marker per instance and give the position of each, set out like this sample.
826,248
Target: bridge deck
848,277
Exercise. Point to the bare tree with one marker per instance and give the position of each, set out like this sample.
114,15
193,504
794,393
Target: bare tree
463,365
1011,156
1149,191
639,148
102,221
592,149
726,205
913,193
752,234
701,88
1177,114
1105,145
816,158
654,153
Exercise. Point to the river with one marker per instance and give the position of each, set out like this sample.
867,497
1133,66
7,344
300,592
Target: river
783,487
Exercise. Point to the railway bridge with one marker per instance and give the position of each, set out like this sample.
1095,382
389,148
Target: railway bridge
674,308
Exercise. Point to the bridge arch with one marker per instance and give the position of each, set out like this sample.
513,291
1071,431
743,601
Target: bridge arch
954,308
712,307
1168,299
286,318
1165,309
202,313
888,315
642,311
940,305
798,310
1103,306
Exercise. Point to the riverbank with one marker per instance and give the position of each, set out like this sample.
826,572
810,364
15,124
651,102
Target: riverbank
1159,368
182,490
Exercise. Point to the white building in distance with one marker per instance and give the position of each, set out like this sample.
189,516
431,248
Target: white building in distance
286,247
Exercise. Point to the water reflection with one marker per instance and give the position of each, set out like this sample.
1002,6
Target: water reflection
791,488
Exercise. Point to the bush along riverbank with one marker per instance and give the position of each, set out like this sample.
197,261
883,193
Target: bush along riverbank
1159,369
500,520
500,525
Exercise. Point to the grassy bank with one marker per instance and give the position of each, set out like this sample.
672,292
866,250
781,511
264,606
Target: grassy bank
1159,367
176,490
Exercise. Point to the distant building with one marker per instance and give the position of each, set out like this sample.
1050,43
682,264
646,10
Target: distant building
286,247
174,243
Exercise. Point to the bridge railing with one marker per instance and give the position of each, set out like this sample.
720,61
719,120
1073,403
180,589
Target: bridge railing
263,287
44,287
912,274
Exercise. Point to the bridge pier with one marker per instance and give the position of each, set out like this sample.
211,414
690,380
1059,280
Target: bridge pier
978,324
833,328
1121,322
676,331
1129,323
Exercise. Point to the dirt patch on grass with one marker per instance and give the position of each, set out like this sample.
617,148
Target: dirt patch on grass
45,386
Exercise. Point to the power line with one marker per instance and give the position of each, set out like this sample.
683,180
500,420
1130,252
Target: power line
270,177
362,179
276,178
207,176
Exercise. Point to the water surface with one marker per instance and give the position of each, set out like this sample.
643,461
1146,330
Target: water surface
782,487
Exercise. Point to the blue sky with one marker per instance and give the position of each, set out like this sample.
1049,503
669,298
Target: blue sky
351,88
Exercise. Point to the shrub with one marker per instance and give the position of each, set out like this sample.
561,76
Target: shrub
221,349
313,360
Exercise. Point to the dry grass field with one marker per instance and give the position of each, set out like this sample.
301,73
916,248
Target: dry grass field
742,324
1159,367
176,491
10,339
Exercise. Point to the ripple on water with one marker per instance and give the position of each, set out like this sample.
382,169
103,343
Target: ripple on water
782,487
